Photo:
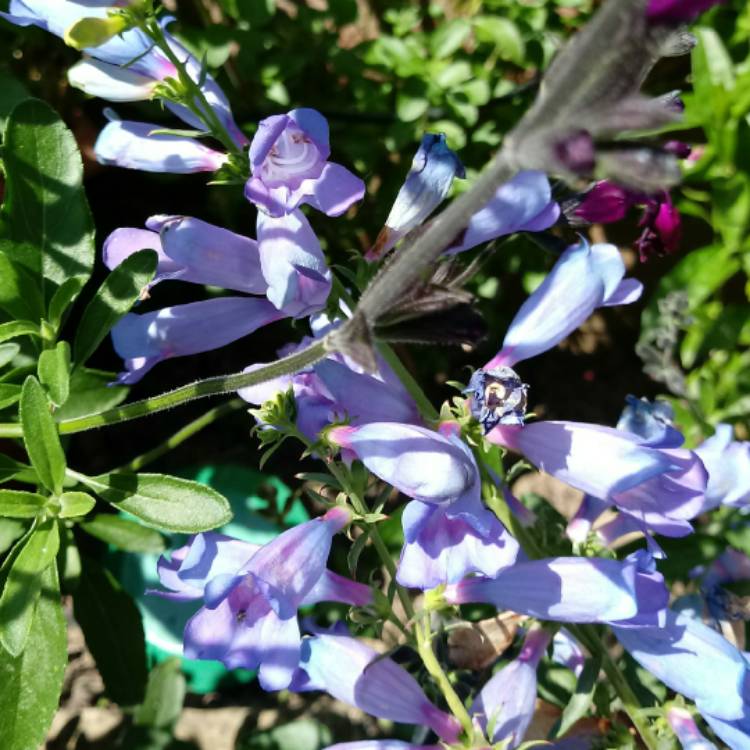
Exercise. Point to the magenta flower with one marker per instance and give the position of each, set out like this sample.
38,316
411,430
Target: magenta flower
289,166
677,11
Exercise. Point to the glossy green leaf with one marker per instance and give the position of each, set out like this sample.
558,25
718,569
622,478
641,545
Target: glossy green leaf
45,204
40,436
74,504
23,585
19,504
119,292
161,501
111,624
124,534
30,684
54,372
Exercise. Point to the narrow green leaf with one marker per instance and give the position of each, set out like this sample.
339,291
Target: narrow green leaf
90,392
54,372
20,295
45,204
449,37
10,531
9,468
19,504
111,624
165,694
40,436
119,292
352,559
9,394
161,501
74,504
16,328
30,684
63,298
124,534
581,701
23,585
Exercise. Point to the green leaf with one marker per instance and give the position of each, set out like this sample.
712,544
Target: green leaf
119,292
449,37
161,501
16,328
9,394
10,531
9,468
30,684
8,353
24,584
90,392
303,734
45,204
124,534
410,108
20,295
54,372
74,504
111,624
504,34
19,504
12,92
165,694
40,436
581,701
65,295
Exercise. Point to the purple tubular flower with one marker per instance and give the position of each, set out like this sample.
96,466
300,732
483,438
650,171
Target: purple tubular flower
289,166
585,277
354,673
251,595
192,250
652,422
293,265
565,450
131,145
605,203
505,705
573,589
728,464
692,659
429,180
675,12
439,549
419,462
684,726
380,745
145,340
524,204
111,82
568,652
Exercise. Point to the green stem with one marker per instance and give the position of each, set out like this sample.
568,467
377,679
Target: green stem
426,409
200,389
190,429
203,110
424,647
588,636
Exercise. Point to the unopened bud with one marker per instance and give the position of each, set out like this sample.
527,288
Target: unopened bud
93,32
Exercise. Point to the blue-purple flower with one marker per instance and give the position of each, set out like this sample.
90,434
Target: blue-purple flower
289,166
192,250
684,726
505,705
728,463
352,672
573,589
251,594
